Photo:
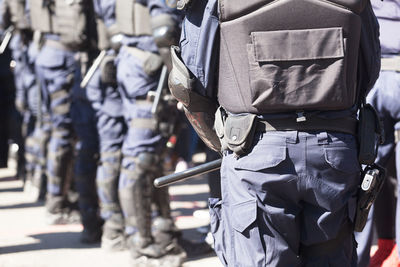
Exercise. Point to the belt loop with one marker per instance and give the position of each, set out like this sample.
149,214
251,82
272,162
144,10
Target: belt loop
323,138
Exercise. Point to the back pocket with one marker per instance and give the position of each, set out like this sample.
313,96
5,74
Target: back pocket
298,69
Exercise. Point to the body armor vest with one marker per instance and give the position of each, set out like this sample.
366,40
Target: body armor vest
71,21
288,55
18,15
40,14
132,18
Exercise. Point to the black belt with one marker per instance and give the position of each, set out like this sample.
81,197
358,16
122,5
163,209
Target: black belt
313,123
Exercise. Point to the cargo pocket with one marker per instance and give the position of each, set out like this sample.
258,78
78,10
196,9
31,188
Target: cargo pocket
217,228
298,69
247,246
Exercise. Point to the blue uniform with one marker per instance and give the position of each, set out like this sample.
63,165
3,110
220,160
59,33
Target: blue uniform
56,73
24,53
290,199
86,153
143,144
384,99
111,127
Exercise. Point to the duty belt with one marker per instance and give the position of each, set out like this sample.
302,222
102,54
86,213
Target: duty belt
313,123
391,63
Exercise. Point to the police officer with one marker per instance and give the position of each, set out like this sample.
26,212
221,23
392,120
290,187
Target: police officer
15,22
147,28
24,52
291,77
105,98
68,28
383,97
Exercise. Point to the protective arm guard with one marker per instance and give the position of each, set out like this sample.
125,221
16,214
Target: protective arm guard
199,110
166,33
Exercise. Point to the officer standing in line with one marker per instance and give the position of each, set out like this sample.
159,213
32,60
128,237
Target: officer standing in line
83,115
68,29
15,22
147,28
55,67
35,130
291,77
103,93
384,98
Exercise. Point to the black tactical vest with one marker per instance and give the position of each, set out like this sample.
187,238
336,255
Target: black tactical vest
288,55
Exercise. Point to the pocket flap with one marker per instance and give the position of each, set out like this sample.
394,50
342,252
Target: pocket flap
238,128
290,45
215,213
244,214
268,157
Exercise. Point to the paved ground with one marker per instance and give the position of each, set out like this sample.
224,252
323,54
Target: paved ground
26,241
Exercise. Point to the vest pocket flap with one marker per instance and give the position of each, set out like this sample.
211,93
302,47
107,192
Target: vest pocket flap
291,45
264,157
244,214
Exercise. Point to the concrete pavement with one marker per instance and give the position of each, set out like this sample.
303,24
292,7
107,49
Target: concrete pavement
26,241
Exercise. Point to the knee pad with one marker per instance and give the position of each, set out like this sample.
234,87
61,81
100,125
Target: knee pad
147,161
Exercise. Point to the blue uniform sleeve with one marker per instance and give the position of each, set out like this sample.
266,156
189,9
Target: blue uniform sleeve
105,9
370,49
200,45
158,7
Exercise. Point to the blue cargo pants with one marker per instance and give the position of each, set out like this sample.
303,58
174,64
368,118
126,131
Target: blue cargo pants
111,128
289,202
56,72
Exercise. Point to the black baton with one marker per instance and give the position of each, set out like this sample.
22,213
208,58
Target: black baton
189,173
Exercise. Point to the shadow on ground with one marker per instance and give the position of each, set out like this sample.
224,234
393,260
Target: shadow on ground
50,241
23,205
13,189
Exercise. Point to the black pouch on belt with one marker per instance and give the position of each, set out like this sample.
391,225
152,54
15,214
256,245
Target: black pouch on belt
369,134
238,133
